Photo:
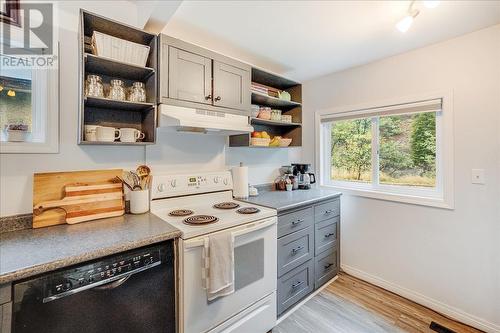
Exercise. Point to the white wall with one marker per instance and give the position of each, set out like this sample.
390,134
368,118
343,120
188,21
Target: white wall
447,259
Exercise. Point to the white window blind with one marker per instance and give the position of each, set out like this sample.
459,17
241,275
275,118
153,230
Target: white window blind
434,105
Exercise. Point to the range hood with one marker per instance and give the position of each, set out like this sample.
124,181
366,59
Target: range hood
182,119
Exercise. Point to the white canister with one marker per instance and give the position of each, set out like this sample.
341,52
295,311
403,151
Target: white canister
139,201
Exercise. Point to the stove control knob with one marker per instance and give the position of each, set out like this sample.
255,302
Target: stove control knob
173,182
162,187
226,181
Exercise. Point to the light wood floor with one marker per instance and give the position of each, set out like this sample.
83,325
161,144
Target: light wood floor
351,305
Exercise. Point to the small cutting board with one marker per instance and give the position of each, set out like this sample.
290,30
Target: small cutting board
73,197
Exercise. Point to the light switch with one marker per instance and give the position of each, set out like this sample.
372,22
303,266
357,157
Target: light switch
478,176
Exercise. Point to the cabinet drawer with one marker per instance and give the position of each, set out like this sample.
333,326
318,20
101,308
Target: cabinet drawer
295,285
295,221
325,267
295,249
326,235
326,210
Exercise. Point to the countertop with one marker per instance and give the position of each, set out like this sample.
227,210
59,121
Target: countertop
285,200
29,252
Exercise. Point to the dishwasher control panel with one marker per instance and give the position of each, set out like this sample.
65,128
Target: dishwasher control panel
101,272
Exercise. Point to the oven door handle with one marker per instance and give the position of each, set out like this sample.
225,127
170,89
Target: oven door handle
246,229
113,284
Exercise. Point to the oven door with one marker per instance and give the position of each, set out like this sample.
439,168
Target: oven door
254,272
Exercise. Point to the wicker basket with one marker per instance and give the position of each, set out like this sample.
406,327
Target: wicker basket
285,142
260,142
119,49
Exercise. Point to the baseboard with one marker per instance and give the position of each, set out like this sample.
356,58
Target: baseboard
299,304
433,304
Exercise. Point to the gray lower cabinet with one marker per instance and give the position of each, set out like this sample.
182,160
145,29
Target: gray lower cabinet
5,308
190,76
295,285
308,250
231,86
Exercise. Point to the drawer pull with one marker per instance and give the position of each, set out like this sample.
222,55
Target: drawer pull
328,266
297,284
329,211
329,235
297,249
299,221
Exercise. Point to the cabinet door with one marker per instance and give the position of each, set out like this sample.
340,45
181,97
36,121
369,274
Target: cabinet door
190,76
231,87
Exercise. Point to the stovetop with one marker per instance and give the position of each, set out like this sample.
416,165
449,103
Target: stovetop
203,204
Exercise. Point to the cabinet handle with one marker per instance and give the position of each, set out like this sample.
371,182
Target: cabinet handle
297,249
208,97
329,235
329,211
217,98
297,284
328,266
299,221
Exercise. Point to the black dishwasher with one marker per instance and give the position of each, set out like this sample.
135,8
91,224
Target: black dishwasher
132,292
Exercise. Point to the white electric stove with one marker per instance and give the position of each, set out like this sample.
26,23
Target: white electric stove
199,205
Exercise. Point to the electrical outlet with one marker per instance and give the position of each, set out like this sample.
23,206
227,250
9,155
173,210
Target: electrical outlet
478,176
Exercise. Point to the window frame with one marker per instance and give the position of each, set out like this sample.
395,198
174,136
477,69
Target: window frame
440,196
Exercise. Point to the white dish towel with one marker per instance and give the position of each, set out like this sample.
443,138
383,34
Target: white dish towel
218,265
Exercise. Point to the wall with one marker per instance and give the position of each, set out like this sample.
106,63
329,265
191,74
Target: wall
445,259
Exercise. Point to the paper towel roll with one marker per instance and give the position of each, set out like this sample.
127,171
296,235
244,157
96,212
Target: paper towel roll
240,182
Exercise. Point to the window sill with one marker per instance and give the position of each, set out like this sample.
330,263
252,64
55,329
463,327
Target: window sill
395,197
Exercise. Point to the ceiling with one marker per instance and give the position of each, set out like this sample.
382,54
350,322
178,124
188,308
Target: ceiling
307,39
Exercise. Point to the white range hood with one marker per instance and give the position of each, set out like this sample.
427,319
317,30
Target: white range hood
182,119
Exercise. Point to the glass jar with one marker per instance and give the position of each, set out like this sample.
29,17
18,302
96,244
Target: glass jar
116,90
93,86
137,92
276,115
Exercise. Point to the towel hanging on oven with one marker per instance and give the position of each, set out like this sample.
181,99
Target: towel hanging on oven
218,265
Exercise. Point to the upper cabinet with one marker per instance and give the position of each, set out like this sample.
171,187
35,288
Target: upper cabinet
231,86
194,77
190,77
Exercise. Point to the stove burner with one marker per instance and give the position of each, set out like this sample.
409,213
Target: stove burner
248,210
181,212
226,205
200,219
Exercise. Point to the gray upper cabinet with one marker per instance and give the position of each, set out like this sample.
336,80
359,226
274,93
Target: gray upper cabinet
190,76
231,86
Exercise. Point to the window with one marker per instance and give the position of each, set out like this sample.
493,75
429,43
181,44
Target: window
394,152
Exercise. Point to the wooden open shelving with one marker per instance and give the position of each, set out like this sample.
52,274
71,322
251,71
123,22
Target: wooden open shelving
107,112
294,108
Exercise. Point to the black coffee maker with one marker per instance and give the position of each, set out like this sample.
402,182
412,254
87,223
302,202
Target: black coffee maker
306,178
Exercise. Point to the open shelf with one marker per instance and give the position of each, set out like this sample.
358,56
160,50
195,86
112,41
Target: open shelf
265,100
115,143
99,102
110,67
273,122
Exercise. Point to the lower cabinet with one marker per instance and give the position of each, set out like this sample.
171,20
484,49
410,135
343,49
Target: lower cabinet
308,250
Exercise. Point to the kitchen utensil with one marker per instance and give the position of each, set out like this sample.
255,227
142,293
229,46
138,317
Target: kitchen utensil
137,92
51,186
116,90
131,135
107,134
143,171
139,201
133,179
124,182
93,86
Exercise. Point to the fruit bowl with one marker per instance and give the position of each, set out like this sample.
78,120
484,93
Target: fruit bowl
285,142
260,142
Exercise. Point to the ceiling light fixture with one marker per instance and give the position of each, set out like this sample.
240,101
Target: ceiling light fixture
11,93
431,4
405,23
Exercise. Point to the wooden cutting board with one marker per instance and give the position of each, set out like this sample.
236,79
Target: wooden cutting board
72,197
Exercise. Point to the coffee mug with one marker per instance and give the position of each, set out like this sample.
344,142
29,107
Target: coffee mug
107,134
90,132
131,135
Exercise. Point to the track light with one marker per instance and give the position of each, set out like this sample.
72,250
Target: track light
405,23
